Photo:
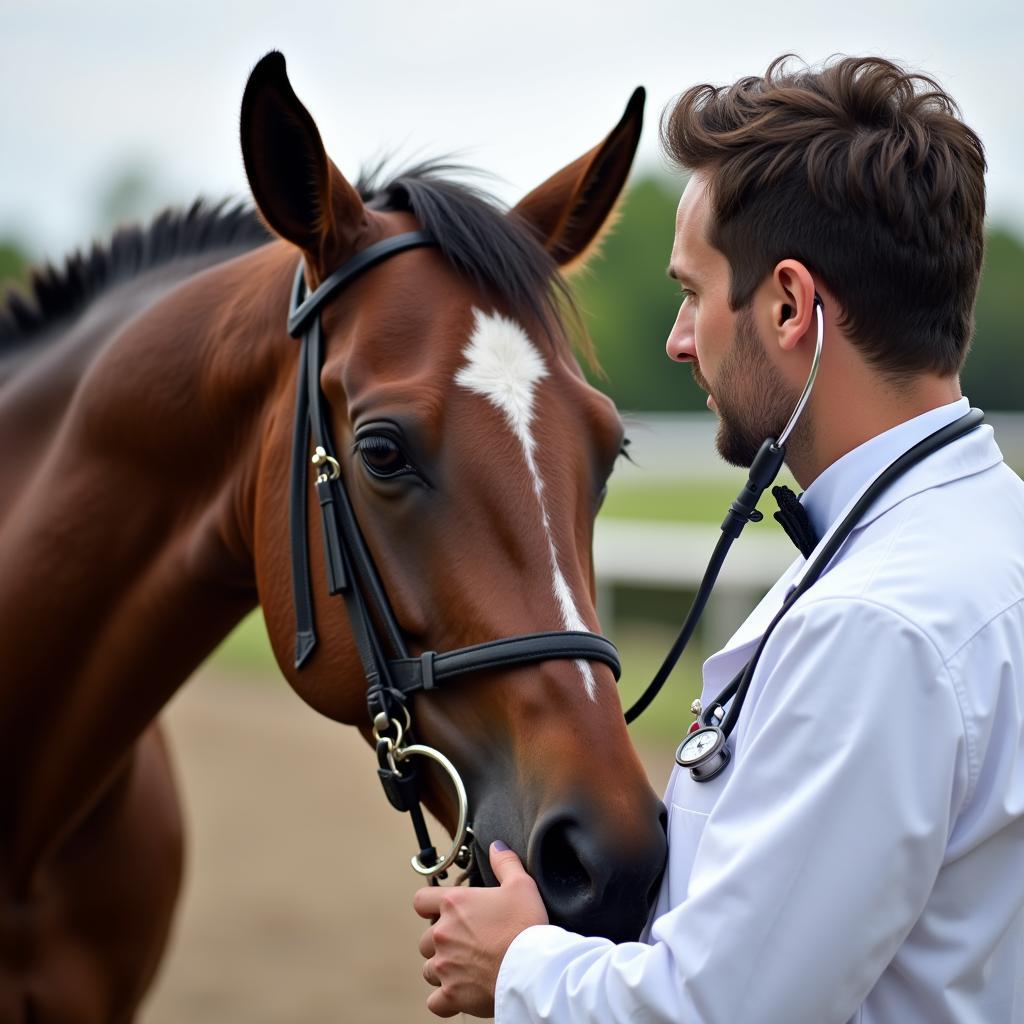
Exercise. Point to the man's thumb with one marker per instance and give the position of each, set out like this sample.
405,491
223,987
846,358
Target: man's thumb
505,863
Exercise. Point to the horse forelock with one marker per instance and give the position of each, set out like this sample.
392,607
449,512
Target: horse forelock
496,250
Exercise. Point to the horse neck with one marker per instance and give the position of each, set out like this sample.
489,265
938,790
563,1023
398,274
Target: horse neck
127,552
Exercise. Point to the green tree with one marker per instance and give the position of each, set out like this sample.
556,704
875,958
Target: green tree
630,304
994,375
13,263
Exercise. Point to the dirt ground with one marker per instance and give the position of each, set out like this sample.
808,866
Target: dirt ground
297,896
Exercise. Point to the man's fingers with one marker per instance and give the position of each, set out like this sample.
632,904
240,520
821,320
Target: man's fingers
427,944
505,863
430,975
440,1003
427,901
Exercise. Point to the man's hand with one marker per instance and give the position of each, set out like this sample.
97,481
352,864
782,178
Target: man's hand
472,930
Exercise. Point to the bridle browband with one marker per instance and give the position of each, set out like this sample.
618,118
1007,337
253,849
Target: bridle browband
392,675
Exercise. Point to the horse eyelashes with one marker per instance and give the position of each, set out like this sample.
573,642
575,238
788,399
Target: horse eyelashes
383,456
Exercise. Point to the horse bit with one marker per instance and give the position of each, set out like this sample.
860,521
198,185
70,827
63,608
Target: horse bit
390,681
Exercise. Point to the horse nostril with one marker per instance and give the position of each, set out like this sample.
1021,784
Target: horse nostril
594,882
562,876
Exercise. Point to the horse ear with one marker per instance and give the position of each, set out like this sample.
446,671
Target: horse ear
299,192
573,207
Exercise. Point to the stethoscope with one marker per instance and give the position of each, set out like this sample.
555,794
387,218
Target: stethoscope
705,751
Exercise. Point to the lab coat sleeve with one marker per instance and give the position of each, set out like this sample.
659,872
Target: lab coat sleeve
815,860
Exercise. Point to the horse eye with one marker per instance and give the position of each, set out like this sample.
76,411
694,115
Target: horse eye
382,456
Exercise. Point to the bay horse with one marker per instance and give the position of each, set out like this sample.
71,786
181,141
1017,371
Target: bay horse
147,392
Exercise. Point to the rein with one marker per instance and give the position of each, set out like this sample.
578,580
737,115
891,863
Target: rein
392,675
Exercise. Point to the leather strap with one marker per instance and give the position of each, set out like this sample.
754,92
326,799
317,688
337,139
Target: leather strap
303,312
350,568
430,669
302,589
336,515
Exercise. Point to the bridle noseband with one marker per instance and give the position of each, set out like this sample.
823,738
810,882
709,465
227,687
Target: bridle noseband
392,675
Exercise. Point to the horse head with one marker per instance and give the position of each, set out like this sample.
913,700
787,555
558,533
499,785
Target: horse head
474,454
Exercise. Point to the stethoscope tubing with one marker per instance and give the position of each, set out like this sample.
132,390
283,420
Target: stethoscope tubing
736,691
763,472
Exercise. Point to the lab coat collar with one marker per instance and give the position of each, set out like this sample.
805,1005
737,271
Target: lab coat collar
971,454
833,489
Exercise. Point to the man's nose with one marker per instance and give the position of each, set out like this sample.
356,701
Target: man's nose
680,344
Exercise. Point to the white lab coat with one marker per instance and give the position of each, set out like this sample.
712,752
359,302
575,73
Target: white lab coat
862,857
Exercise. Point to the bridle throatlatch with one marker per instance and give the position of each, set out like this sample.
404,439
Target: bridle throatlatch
392,674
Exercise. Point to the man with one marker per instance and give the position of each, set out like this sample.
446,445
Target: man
860,857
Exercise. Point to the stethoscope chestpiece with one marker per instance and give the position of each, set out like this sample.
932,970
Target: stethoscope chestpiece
704,752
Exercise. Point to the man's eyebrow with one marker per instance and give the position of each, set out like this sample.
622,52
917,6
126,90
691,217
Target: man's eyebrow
681,276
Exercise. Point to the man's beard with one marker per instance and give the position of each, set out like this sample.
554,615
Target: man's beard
754,400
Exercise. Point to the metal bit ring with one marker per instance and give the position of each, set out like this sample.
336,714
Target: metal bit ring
462,826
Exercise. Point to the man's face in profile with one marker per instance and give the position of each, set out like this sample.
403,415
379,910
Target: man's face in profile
752,399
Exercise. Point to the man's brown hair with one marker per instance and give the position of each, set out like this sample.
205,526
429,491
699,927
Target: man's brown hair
866,174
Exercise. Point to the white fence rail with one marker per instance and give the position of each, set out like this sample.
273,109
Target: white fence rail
672,556
683,445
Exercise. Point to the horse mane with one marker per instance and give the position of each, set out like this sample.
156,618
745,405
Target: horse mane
499,253
56,293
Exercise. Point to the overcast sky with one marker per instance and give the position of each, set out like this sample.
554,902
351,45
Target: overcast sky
520,89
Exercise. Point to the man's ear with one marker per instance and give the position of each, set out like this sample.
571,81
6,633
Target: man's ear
791,294
573,207
299,192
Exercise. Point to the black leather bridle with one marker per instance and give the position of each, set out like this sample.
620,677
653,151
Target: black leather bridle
392,675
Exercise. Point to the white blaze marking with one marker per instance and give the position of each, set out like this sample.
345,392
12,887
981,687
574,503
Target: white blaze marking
503,365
